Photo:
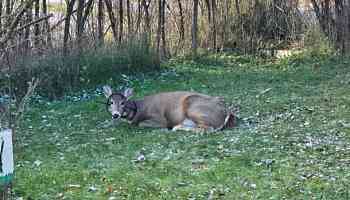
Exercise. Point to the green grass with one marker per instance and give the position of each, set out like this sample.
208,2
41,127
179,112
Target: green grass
292,141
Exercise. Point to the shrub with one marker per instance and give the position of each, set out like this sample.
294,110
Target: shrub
64,74
316,42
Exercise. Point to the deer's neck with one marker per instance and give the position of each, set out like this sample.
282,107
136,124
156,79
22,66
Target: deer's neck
133,108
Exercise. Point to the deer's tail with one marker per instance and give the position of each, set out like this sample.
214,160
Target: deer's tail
230,122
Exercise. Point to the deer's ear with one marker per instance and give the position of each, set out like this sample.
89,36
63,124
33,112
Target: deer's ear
128,92
107,90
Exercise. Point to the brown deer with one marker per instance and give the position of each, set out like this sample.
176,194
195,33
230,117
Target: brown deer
178,110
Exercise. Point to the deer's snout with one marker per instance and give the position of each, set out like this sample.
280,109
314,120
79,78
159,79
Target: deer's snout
115,116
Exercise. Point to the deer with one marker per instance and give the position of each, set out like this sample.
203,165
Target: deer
177,110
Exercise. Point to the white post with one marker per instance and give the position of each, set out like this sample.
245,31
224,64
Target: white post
6,157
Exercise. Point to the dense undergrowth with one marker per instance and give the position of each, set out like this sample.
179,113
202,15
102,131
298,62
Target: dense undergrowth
66,74
292,141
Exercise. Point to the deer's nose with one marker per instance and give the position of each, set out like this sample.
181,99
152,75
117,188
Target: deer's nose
115,116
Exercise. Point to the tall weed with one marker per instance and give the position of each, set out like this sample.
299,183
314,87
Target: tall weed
316,43
64,74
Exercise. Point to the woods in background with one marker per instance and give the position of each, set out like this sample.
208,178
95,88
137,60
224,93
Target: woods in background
35,27
334,19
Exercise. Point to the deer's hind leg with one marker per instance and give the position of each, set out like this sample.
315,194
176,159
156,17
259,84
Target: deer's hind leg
186,125
200,119
205,115
194,122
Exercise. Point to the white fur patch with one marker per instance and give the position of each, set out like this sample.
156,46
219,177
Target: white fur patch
189,123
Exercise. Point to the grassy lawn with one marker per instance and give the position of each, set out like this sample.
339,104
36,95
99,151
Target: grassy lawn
292,140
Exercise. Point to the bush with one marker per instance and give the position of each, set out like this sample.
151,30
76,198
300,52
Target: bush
64,74
316,43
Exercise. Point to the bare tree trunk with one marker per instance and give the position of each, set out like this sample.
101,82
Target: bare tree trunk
323,13
88,9
100,22
195,27
161,40
347,40
37,25
213,7
1,5
29,18
121,21
8,13
182,24
128,17
158,38
226,14
80,24
208,4
69,11
147,16
112,19
48,41
342,42
164,52
339,24
20,36
238,12
139,13
210,26
346,28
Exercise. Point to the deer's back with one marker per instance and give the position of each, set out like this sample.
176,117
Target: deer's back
173,107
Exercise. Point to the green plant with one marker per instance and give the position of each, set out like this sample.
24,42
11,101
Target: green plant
316,43
60,75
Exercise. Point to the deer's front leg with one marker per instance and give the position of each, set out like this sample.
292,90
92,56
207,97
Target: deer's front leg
153,122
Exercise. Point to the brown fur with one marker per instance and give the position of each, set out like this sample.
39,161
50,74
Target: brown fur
182,110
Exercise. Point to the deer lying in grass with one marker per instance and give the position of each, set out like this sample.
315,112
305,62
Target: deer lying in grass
179,110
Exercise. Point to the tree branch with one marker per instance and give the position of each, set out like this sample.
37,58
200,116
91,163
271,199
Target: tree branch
15,23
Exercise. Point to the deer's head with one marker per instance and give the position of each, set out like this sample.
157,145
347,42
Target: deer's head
117,101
